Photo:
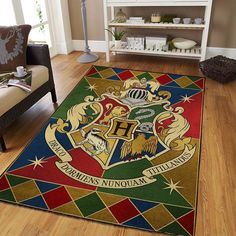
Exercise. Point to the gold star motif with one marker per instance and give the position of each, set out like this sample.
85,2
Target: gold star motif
38,162
172,186
92,87
186,99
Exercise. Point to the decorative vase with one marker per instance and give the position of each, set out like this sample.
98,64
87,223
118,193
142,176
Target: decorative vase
117,43
120,17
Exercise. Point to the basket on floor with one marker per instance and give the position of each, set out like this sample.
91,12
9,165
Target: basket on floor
219,68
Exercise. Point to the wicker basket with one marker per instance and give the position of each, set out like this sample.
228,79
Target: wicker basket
219,68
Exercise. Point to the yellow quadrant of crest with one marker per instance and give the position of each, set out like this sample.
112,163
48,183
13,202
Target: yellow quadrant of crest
76,137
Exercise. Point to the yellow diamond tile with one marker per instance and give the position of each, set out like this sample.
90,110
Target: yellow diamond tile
107,73
103,215
110,199
158,217
25,191
155,75
77,193
69,208
183,81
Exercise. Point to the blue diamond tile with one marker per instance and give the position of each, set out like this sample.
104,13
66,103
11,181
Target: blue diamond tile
139,222
175,76
36,202
173,84
143,205
45,187
114,77
118,70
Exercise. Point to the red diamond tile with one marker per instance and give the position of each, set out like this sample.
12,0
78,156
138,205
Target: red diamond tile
200,83
187,222
56,197
91,71
3,183
164,79
124,210
125,75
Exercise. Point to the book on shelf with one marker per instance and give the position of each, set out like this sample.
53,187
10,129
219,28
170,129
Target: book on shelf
8,80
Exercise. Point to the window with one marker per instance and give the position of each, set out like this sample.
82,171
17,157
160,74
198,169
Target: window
49,20
7,16
33,12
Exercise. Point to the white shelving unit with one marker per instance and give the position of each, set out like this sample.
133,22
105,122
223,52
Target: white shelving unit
195,53
159,26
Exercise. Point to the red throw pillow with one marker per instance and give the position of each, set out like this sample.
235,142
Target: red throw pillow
13,45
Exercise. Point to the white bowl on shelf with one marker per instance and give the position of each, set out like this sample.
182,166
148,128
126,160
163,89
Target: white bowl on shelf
182,43
198,21
176,20
187,21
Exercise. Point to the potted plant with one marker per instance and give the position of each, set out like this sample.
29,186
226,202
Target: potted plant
118,35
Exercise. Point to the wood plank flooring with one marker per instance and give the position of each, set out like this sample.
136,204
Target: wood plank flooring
216,214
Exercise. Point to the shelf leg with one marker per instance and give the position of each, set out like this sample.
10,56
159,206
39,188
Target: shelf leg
206,30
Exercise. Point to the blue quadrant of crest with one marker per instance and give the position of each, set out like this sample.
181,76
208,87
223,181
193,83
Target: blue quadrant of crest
116,157
39,148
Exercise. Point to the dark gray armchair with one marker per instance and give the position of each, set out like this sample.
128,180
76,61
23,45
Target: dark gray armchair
36,55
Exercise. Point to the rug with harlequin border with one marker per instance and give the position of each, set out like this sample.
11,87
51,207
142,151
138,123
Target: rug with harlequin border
123,148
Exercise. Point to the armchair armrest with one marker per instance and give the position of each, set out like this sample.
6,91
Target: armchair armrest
38,54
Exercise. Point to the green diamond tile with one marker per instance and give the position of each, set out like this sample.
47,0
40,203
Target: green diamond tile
90,204
177,211
14,180
97,76
175,229
100,68
7,195
145,75
194,78
193,86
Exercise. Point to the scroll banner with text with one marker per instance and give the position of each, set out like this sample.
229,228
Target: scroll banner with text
147,178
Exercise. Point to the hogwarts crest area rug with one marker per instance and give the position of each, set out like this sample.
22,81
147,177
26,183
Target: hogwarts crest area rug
123,148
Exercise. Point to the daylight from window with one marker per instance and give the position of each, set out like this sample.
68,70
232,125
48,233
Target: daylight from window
35,14
31,12
7,16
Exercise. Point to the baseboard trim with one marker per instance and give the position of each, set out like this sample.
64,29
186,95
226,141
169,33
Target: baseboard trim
95,46
227,52
100,46
64,47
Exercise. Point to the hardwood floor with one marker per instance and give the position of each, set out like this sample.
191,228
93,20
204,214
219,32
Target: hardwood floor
216,214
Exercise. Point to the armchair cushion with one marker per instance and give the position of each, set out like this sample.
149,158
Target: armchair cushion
13,45
14,95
